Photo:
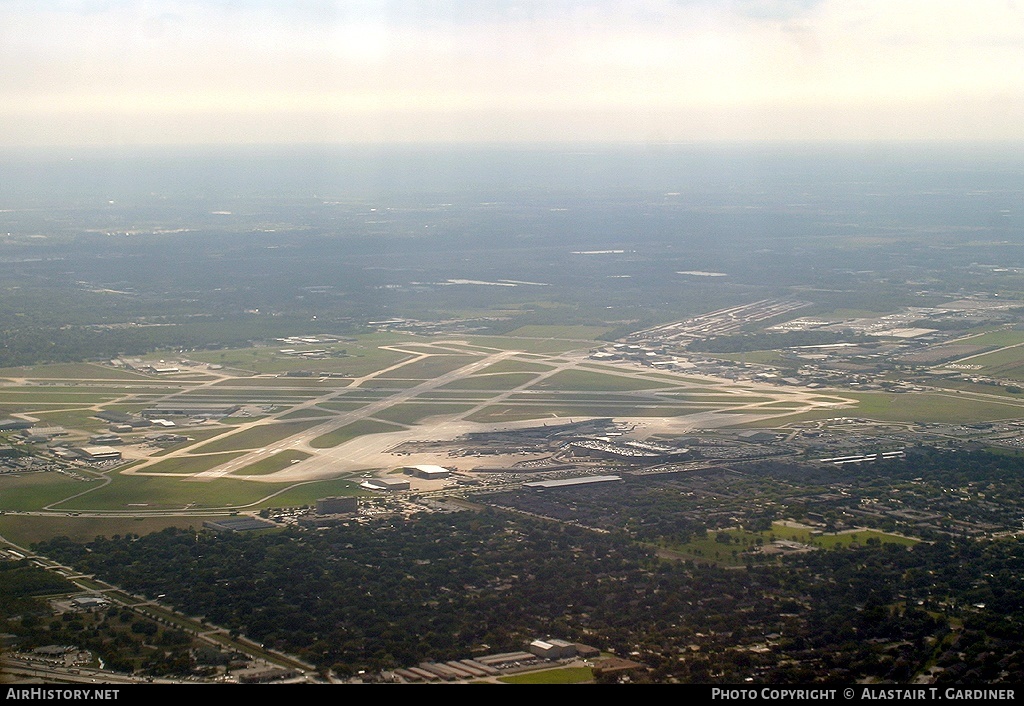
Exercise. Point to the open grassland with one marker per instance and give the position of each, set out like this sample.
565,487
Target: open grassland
946,408
37,396
191,464
273,464
512,413
307,413
206,394
578,380
515,366
582,334
1005,363
197,435
301,494
565,675
1001,337
297,382
592,397
430,367
24,492
142,494
26,531
255,437
73,419
347,406
73,371
351,431
470,395
931,407
359,359
389,383
498,381
731,547
977,388
412,412
149,493
528,345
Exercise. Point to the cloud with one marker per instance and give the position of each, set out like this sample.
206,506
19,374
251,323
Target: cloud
501,69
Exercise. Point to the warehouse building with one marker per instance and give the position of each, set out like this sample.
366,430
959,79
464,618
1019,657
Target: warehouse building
427,472
336,505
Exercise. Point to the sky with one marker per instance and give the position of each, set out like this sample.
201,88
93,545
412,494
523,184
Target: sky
158,72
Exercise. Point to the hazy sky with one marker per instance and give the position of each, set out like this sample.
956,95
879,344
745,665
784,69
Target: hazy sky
274,71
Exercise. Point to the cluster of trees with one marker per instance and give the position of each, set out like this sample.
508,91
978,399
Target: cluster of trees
392,593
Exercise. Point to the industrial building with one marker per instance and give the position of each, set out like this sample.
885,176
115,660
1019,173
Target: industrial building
427,471
100,453
336,505
387,484
552,649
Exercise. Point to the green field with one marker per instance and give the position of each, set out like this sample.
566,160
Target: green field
26,531
1005,363
147,493
711,549
389,383
565,675
430,367
73,371
297,382
949,408
581,334
20,492
593,381
307,413
272,464
412,412
255,437
191,464
515,366
498,381
351,431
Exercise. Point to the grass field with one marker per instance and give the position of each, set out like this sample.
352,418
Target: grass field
297,382
515,366
197,436
573,333
512,413
26,531
498,381
578,380
148,493
1005,363
389,383
528,345
73,371
21,492
191,464
255,437
731,553
74,419
351,431
565,675
928,407
272,464
429,368
411,412
307,413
